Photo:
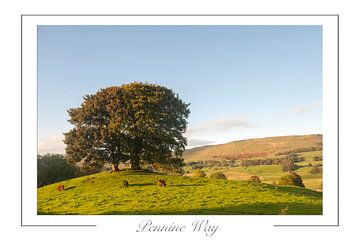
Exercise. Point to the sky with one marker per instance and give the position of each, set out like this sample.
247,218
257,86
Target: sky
242,81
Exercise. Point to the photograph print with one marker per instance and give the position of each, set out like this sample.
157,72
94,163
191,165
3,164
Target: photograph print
180,120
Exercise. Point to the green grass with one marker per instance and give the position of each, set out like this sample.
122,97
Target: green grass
103,194
271,173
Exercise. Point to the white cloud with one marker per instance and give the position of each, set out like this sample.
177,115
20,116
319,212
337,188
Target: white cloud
218,126
308,107
191,142
52,144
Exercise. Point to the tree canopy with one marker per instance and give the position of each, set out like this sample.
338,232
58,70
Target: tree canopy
136,122
53,168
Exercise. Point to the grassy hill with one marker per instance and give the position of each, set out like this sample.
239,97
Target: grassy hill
254,148
103,193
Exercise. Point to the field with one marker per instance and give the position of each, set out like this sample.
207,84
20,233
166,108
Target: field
103,193
271,174
305,147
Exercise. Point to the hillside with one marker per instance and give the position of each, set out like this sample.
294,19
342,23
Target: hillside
255,148
103,193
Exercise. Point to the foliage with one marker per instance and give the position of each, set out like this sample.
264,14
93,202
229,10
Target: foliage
199,173
103,193
288,165
175,166
136,122
317,158
316,169
217,175
292,179
53,168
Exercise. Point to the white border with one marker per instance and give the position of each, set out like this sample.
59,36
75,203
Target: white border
29,115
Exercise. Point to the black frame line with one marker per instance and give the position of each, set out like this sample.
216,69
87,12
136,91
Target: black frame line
175,15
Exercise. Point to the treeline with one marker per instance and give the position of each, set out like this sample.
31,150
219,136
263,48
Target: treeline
287,162
213,163
318,147
239,156
273,161
53,168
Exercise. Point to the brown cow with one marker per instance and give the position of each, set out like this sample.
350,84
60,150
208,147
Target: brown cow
161,183
60,188
125,184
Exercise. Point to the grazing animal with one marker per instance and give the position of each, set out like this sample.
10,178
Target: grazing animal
161,183
125,184
60,188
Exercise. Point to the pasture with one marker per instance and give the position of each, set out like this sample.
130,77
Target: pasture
103,193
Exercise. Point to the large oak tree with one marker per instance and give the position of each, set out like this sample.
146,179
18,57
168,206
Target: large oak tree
136,122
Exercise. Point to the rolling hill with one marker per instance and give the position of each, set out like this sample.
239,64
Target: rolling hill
255,148
103,193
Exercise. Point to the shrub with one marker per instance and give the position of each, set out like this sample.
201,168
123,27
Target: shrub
293,179
316,169
199,173
254,180
287,165
217,175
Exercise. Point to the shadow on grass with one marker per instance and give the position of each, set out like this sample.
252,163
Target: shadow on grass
185,185
68,188
168,186
142,184
295,190
241,209
137,172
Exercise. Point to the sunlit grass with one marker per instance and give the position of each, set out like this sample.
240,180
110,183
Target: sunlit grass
103,194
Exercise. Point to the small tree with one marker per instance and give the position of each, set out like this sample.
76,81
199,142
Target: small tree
199,173
288,165
293,179
217,175
316,169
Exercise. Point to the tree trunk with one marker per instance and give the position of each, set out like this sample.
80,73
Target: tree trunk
115,167
135,163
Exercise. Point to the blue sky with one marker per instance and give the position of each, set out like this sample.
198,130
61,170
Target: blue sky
242,81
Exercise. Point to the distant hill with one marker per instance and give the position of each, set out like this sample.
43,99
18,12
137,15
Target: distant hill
255,148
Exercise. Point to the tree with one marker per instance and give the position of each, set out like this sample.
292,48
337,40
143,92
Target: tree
136,122
199,173
292,179
217,175
316,169
53,168
287,165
